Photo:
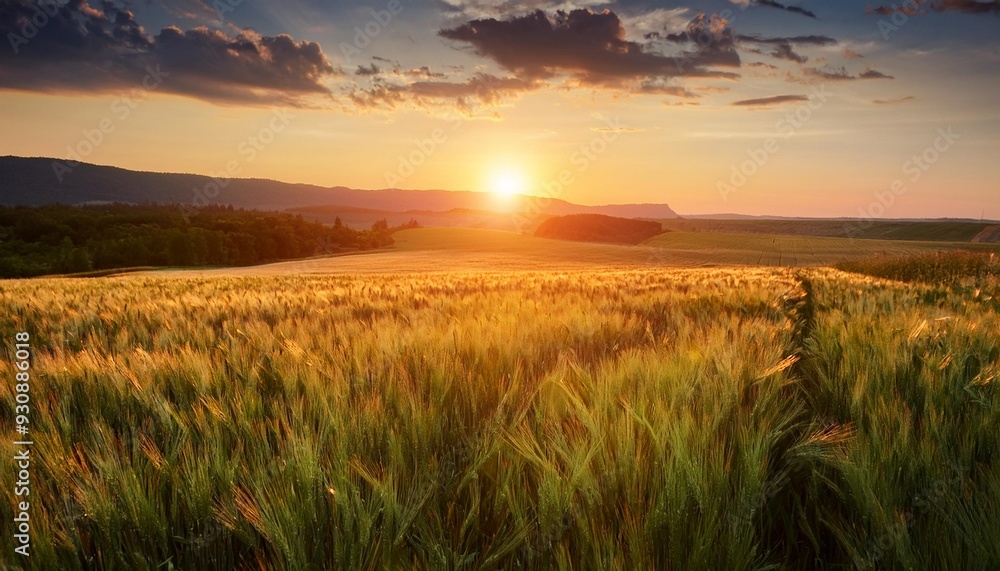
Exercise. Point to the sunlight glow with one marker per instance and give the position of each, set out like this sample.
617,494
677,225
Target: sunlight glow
507,183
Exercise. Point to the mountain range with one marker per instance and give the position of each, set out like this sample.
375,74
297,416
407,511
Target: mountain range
37,181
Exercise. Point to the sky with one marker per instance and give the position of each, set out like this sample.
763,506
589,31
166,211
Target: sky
795,108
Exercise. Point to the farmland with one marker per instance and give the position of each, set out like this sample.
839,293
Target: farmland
469,249
920,230
736,418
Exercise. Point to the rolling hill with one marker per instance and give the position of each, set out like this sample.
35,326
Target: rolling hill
34,181
598,228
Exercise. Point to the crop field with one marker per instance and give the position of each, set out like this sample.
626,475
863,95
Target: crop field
467,249
741,418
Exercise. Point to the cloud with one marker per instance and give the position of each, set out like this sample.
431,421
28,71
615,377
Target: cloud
778,5
784,46
478,96
895,101
913,7
660,20
710,33
423,72
785,51
196,10
658,86
617,129
870,73
768,101
841,74
485,88
590,48
848,52
793,40
96,50
482,9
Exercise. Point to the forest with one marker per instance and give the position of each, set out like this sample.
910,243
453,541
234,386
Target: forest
59,239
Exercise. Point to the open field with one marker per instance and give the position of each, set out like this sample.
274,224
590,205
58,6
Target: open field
467,249
923,230
677,419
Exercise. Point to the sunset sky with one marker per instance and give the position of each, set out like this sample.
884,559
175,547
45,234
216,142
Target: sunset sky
796,108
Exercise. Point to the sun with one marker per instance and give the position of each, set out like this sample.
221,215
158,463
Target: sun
507,183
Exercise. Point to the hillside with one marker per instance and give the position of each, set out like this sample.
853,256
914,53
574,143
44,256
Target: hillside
598,228
33,182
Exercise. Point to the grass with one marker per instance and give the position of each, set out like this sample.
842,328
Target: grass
586,419
937,267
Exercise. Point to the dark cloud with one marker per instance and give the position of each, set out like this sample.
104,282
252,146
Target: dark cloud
590,48
767,101
870,73
913,7
793,40
778,5
663,87
784,46
83,48
367,70
785,51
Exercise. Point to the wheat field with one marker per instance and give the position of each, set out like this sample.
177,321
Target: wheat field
579,419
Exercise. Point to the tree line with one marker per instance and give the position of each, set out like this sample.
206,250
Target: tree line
59,239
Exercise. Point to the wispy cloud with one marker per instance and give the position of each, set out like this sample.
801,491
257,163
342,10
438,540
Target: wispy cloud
769,101
915,7
777,5
894,101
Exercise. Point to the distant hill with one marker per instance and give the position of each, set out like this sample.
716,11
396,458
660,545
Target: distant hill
34,182
598,228
941,230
